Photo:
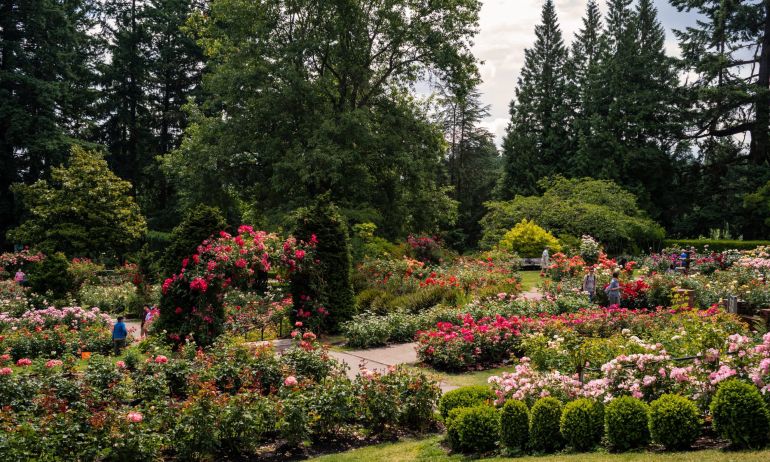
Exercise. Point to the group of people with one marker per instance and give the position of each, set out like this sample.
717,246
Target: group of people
589,281
120,332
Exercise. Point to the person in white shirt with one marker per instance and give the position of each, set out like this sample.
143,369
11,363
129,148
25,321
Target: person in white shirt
545,260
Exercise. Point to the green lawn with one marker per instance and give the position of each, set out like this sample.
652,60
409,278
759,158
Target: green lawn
466,378
529,279
430,450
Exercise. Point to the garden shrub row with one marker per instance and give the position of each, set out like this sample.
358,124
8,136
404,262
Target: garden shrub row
474,425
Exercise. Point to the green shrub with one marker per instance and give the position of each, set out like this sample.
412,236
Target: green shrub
365,298
366,331
51,275
465,397
474,429
740,415
582,424
674,421
115,299
544,435
329,282
423,299
528,239
626,423
514,425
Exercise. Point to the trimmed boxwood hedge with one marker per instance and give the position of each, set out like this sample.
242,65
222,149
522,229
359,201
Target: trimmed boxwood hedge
465,397
740,415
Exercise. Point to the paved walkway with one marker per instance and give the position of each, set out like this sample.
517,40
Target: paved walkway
532,294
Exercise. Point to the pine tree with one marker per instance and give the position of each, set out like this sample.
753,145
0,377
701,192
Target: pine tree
126,111
582,83
472,160
729,51
46,88
536,140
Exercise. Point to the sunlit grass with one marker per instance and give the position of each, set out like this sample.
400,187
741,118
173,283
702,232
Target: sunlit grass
431,450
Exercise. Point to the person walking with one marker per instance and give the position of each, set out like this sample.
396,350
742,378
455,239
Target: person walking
589,284
119,334
613,290
146,317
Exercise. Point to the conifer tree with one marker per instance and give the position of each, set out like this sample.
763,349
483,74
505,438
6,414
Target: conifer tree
729,51
46,89
536,138
582,84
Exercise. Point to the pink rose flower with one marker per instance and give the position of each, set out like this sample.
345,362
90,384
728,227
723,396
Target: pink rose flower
160,359
24,362
6,371
134,417
290,381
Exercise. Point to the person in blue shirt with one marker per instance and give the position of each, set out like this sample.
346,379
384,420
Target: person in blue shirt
119,334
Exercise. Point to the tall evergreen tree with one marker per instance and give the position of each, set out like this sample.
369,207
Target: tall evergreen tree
472,160
582,83
536,138
46,83
126,109
729,51
632,124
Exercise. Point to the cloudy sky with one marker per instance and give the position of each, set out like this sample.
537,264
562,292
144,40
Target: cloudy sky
508,27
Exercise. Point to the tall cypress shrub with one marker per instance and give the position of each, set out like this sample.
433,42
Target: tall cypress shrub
199,224
328,284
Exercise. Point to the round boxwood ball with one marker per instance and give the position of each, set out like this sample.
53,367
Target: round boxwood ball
582,424
514,425
465,397
626,423
473,429
740,415
544,434
674,421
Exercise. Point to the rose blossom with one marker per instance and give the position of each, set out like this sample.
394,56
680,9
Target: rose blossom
24,362
160,359
134,417
53,363
6,371
290,381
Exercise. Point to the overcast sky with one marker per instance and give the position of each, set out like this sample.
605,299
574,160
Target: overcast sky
508,27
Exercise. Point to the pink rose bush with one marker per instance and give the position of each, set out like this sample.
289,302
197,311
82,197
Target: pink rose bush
192,305
646,375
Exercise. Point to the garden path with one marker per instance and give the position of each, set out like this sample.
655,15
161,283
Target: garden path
532,294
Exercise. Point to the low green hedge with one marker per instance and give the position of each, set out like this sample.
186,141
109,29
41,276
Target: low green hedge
469,396
717,245
473,429
740,415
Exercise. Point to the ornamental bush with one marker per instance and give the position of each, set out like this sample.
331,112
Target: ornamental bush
626,423
51,275
474,429
514,425
544,434
740,415
674,421
469,396
582,424
328,285
528,240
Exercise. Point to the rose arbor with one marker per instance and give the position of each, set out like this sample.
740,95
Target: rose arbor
192,305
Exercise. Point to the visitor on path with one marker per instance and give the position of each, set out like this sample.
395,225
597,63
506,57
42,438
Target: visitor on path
119,334
545,260
146,318
589,284
613,290
20,278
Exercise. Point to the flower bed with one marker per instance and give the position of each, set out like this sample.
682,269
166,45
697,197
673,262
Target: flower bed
53,332
226,403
